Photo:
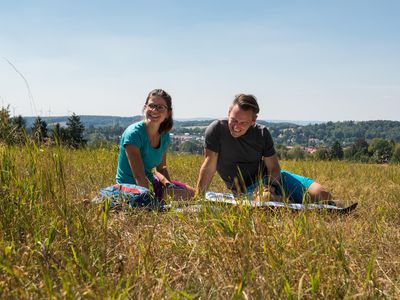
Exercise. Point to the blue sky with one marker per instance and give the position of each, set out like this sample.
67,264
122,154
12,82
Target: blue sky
304,60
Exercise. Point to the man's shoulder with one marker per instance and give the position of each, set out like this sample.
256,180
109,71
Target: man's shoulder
259,128
215,133
218,122
259,131
216,125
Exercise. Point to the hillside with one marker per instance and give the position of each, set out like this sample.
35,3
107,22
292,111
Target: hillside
285,133
54,244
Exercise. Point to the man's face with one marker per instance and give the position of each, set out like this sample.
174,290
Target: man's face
239,121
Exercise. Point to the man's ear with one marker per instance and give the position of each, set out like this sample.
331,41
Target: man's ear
254,120
229,110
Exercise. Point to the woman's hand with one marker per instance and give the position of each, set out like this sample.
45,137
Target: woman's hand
165,182
161,177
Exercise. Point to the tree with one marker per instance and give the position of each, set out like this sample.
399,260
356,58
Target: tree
336,151
75,131
281,151
18,129
359,151
191,147
381,150
18,122
5,125
39,130
396,154
59,135
322,153
296,153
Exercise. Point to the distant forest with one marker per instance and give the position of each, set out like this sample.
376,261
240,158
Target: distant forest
109,128
368,141
327,133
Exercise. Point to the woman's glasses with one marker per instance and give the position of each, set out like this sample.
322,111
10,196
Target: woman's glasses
157,107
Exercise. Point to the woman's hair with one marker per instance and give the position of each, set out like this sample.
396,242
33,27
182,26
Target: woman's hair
167,124
246,102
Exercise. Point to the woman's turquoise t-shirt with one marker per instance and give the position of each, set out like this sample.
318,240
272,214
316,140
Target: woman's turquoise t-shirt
136,135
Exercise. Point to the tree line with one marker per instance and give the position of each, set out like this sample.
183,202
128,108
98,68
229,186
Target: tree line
376,151
290,139
13,131
327,133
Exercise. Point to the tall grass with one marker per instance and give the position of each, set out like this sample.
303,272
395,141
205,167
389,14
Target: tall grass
55,244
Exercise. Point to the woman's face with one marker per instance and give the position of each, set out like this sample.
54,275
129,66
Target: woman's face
156,110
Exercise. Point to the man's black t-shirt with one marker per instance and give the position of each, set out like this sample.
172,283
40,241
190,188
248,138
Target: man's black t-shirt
239,157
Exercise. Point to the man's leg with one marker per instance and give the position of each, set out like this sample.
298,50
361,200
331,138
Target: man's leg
303,189
300,189
295,188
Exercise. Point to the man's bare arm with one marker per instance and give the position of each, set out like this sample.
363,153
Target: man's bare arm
274,175
274,169
207,171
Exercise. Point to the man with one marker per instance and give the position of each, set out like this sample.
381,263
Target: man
243,154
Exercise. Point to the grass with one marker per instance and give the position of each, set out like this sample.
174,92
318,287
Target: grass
55,245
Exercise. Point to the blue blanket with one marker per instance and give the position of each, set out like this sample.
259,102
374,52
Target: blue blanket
123,196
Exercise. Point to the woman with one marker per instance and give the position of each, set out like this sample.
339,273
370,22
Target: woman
143,150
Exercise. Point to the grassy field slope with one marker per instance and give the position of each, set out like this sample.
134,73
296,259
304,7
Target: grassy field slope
54,244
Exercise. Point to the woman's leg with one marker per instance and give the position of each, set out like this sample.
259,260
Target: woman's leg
179,191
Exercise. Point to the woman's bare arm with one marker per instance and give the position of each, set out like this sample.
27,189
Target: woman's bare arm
136,164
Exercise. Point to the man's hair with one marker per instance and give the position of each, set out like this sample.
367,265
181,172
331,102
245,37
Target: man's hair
246,102
167,124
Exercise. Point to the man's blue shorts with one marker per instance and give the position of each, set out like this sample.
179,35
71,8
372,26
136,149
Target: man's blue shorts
294,187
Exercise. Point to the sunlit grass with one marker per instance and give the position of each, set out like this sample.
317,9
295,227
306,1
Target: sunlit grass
55,244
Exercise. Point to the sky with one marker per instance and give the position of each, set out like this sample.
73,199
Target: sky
303,60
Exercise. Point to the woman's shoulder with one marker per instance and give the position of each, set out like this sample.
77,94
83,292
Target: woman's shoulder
166,137
137,128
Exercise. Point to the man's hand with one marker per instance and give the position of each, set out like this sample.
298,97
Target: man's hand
267,194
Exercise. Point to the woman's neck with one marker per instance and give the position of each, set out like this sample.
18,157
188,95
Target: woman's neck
152,129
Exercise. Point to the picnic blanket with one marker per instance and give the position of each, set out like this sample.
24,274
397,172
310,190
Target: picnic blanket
230,199
124,196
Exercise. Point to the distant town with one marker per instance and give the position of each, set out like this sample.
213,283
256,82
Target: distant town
355,140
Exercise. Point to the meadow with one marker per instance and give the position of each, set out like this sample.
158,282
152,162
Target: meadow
56,244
